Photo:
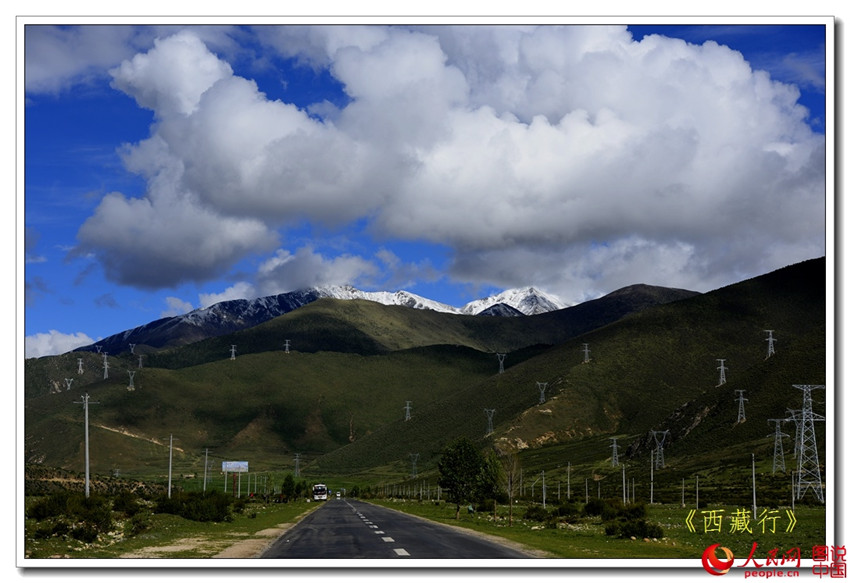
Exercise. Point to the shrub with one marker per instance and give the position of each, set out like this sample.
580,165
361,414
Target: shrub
85,532
536,513
198,506
126,503
138,523
638,528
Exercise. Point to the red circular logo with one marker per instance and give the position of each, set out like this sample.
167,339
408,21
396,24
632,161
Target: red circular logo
714,565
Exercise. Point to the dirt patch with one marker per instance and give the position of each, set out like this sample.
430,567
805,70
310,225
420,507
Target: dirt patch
178,546
254,547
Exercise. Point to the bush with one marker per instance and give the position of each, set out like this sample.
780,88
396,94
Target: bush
536,513
638,528
138,523
567,510
594,507
85,532
198,506
126,503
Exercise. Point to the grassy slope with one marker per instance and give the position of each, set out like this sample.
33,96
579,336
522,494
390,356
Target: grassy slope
266,405
653,370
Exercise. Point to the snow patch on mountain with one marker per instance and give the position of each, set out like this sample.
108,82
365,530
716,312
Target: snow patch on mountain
528,300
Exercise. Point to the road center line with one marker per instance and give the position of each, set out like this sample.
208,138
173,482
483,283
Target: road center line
401,552
387,539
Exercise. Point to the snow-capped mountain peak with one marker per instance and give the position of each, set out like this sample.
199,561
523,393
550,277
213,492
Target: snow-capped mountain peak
527,300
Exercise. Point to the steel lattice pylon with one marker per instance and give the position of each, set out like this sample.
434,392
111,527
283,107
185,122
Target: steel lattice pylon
808,466
778,449
741,400
659,447
615,461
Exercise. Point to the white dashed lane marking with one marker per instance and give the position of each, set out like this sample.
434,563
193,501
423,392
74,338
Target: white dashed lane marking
387,539
401,552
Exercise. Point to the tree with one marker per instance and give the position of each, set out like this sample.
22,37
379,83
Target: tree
510,476
288,488
464,473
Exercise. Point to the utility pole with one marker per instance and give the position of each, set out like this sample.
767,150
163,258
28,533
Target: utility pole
754,486
85,403
722,369
206,464
624,484
170,451
651,476
543,475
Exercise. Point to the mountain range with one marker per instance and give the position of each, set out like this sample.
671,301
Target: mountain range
636,361
233,315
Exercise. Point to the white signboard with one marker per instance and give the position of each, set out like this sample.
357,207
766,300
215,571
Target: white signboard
231,467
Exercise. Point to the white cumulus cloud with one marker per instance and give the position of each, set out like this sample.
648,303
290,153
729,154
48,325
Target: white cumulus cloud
54,342
573,154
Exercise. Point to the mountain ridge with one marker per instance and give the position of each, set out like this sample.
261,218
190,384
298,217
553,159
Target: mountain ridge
233,315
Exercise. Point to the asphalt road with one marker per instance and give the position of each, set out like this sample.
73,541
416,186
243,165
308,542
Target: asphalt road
351,529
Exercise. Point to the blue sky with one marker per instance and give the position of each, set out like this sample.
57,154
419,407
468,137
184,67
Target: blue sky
167,168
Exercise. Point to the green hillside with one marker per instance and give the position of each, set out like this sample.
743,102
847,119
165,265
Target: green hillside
653,370
338,397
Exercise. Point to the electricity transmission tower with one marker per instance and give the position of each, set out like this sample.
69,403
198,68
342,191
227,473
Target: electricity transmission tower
131,387
770,340
542,388
489,413
501,362
140,361
795,415
85,403
286,346
79,366
407,411
659,447
741,400
68,384
414,457
808,467
778,449
132,348
297,462
722,369
586,351
615,460
232,352
105,366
